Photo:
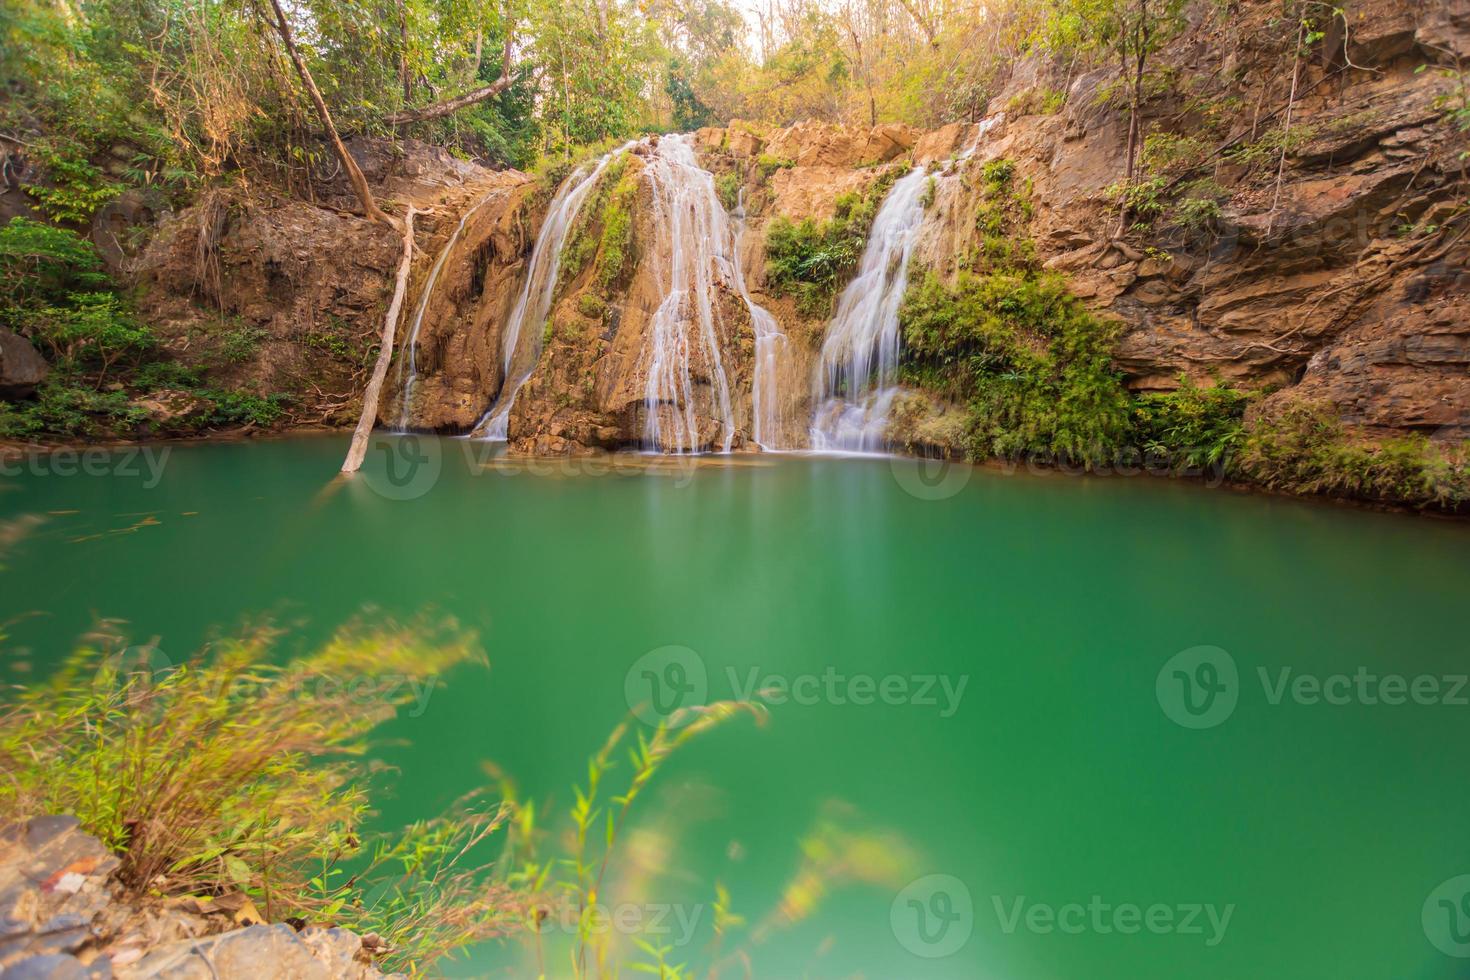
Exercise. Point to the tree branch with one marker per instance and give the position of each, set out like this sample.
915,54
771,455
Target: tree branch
450,106
354,174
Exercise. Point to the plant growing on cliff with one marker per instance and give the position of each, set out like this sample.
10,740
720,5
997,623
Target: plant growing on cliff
1034,366
813,259
1192,427
1303,447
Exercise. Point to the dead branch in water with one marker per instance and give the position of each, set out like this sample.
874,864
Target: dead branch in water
358,450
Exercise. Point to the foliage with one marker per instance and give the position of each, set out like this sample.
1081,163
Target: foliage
1192,427
91,331
75,188
812,259
1034,366
727,186
231,770
1001,217
1304,448
42,265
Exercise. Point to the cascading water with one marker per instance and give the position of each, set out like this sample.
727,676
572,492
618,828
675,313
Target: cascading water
410,364
534,302
694,242
858,375
770,344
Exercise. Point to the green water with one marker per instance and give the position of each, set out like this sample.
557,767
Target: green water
1057,776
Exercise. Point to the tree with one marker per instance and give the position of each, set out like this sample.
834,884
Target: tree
354,173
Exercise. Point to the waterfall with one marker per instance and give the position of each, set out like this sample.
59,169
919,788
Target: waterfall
694,242
411,362
534,302
770,342
858,375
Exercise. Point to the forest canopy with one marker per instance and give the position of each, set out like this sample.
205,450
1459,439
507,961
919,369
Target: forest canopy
198,88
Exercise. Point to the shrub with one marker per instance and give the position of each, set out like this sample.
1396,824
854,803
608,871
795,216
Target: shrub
1304,448
40,264
1192,427
727,185
76,188
812,259
1033,364
93,330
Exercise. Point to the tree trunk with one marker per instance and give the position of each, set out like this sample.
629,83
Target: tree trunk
358,450
359,182
449,106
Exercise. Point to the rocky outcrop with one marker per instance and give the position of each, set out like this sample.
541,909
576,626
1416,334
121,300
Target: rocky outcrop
21,367
62,917
287,297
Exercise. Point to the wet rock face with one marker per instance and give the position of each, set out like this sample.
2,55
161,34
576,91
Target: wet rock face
62,918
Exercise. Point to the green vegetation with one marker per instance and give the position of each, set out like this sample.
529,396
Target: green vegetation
728,185
1192,427
239,771
615,249
1304,448
812,259
56,295
1033,365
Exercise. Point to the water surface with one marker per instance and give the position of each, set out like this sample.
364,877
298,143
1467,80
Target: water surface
1057,775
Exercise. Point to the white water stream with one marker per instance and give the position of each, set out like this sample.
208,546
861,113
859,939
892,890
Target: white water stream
694,245
534,303
857,378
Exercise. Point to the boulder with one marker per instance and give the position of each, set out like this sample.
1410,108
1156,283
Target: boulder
170,407
21,368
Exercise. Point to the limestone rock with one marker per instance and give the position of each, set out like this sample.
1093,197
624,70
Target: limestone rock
21,367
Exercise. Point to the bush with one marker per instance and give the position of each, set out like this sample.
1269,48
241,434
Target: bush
813,260
41,265
1034,366
92,331
1191,427
1304,448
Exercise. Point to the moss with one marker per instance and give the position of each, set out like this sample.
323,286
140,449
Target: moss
615,248
583,239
